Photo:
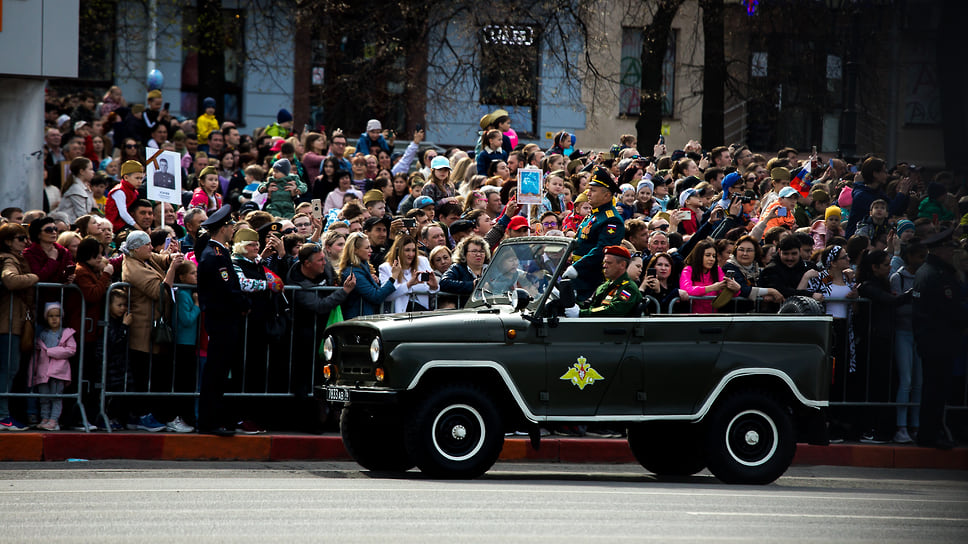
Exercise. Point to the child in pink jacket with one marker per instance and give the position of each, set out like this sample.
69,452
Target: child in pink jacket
50,370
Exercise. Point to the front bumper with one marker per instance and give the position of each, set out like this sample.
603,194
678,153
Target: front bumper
356,395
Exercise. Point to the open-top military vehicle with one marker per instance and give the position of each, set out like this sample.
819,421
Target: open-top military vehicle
438,390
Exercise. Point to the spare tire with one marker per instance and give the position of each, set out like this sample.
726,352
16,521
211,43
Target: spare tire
801,305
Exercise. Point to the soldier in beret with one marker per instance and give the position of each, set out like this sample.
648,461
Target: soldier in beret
603,227
618,295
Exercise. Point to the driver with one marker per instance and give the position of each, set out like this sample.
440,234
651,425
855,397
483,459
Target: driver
618,295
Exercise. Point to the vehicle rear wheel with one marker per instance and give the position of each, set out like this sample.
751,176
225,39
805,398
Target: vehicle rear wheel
455,432
374,440
668,448
750,439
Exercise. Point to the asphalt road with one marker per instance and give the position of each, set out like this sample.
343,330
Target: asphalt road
125,501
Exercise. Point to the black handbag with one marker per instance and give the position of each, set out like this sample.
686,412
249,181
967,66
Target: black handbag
161,330
277,320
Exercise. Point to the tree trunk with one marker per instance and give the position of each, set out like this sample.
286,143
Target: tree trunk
952,82
655,42
714,74
211,55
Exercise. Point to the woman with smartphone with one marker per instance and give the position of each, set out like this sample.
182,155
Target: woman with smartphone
414,281
661,282
702,277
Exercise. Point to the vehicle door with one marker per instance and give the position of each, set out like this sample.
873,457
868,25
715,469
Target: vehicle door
587,368
678,355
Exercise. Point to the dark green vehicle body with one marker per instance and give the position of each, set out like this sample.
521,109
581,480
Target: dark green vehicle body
538,367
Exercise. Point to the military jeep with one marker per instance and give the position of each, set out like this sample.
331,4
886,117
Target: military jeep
439,390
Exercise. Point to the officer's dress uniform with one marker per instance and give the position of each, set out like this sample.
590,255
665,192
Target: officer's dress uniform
616,298
220,297
940,319
603,227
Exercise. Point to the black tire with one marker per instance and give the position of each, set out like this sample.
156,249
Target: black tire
455,432
374,440
668,448
750,439
801,305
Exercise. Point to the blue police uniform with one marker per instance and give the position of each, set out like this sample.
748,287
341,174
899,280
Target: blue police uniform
220,298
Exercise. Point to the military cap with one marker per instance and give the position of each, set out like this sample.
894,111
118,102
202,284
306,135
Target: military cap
602,178
373,195
618,251
245,235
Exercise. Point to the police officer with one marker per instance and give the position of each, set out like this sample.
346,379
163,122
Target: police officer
220,297
618,295
603,227
939,320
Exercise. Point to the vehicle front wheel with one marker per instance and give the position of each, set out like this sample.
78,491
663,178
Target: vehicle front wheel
374,440
750,439
455,432
668,448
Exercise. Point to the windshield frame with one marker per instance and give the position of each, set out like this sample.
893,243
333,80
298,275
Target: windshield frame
567,246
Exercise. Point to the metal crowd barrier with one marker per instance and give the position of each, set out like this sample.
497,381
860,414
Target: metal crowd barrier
74,391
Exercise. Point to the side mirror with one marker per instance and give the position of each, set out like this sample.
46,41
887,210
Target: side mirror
566,293
520,299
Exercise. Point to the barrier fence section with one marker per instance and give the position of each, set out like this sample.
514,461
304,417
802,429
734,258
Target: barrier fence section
19,361
286,365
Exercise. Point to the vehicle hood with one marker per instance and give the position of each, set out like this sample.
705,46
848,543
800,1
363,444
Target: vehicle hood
470,325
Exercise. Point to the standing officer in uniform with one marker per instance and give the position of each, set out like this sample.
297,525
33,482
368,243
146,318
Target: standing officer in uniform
603,227
618,295
940,320
220,297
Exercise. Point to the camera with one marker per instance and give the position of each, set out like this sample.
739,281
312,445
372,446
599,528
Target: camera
409,222
423,276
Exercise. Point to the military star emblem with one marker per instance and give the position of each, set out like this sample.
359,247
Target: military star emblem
582,374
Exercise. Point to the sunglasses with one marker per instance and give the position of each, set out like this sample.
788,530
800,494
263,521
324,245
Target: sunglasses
21,238
662,227
289,231
50,229
130,146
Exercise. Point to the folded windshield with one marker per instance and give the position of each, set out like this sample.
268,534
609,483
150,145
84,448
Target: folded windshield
522,265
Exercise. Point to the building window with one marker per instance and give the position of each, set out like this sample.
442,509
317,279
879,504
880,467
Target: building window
233,29
95,62
631,73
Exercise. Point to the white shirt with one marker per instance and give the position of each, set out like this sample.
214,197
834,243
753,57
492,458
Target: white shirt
401,296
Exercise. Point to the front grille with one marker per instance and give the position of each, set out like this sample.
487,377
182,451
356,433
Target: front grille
353,354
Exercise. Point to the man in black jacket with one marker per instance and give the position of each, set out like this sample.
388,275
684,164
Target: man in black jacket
785,272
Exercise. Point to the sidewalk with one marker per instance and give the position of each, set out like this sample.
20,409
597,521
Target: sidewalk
59,446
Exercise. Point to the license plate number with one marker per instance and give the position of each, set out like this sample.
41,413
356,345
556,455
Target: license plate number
337,394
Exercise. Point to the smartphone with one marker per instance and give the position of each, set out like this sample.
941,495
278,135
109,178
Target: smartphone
167,242
685,215
781,211
661,139
418,128
651,273
731,274
70,269
423,276
317,208
167,106
409,222
813,151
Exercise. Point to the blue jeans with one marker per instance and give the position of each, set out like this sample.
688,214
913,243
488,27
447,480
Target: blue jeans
9,365
908,378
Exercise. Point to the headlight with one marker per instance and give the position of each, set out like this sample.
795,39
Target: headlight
375,349
328,348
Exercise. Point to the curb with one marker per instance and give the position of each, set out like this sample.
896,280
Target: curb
60,446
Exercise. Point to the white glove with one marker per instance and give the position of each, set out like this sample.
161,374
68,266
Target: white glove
572,311
570,273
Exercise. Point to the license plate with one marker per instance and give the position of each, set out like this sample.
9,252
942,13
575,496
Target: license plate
337,394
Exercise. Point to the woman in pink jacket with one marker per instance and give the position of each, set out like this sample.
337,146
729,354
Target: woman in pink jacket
702,277
50,368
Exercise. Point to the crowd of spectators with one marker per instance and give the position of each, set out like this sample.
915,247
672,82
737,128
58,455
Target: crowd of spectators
413,230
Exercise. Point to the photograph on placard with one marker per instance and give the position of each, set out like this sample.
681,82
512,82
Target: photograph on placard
529,186
163,175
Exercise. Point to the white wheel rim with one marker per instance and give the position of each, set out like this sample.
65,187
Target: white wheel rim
458,430
752,436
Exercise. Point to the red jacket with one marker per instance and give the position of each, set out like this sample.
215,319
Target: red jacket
117,212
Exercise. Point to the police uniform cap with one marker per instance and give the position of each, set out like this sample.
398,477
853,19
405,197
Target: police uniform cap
131,167
939,239
780,174
618,251
206,171
245,235
603,179
221,217
373,221
373,195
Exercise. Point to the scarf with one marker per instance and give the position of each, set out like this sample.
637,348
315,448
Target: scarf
751,272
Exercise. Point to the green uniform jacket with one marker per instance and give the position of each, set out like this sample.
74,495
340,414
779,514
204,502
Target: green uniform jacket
615,298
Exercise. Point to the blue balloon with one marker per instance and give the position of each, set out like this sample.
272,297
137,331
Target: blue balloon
155,80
